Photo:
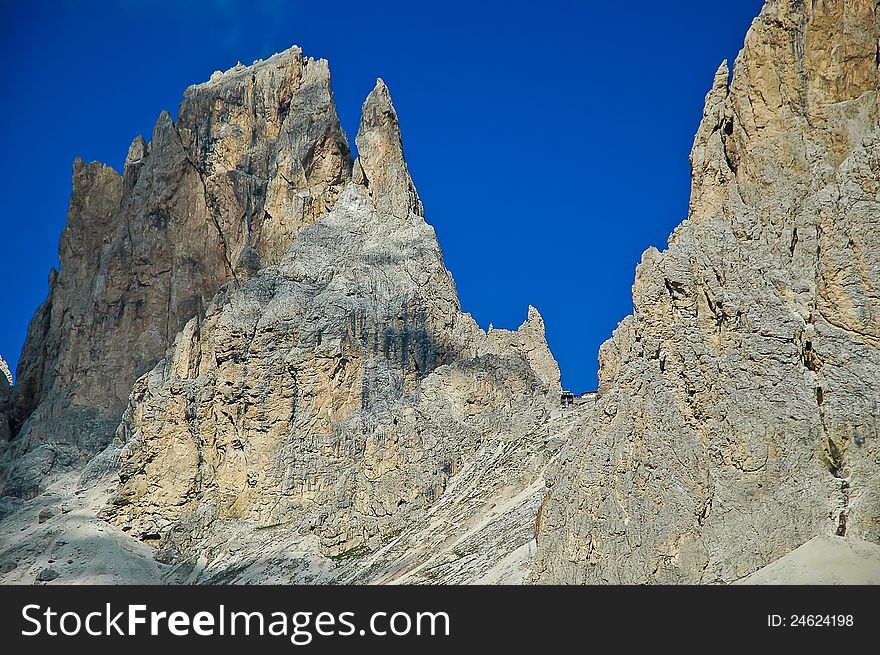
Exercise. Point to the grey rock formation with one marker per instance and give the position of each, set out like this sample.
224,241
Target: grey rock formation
330,415
257,154
738,406
5,374
343,397
302,398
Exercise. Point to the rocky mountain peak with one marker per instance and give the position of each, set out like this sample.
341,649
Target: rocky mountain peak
256,155
381,166
374,391
735,404
530,339
245,267
254,365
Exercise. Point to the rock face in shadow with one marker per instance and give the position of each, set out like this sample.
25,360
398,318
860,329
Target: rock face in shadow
738,406
256,155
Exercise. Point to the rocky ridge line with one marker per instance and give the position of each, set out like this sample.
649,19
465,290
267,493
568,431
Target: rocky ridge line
738,406
257,154
330,415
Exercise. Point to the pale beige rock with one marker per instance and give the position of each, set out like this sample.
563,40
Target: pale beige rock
530,340
5,374
256,155
738,407
380,166
824,560
342,401
331,415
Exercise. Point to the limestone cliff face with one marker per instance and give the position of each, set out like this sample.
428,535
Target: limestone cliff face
256,155
738,407
325,411
335,397
268,329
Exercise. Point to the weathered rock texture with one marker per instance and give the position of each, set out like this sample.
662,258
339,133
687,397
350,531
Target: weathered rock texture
338,394
256,155
305,401
738,406
326,412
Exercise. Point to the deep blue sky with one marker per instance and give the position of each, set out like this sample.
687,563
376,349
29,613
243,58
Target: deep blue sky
549,140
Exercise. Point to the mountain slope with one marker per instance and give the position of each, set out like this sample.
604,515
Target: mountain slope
332,416
253,365
738,406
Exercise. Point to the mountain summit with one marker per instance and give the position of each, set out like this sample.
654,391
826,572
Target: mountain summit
253,366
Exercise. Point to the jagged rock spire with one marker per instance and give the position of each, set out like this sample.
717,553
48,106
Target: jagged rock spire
530,340
5,408
256,155
381,166
5,374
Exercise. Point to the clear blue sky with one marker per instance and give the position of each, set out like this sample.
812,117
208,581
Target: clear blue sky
549,140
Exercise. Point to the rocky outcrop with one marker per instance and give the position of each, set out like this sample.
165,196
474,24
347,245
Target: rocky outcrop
530,340
5,404
342,402
6,399
5,374
256,155
738,406
326,411
302,398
